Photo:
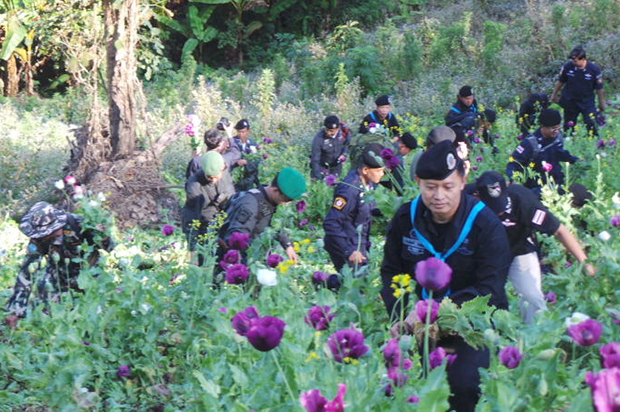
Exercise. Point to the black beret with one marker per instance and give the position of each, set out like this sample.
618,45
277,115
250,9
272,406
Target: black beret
242,124
409,141
331,122
580,194
490,115
549,117
465,91
371,156
438,162
382,100
491,188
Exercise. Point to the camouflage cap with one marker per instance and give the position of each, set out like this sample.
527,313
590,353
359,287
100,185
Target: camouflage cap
42,220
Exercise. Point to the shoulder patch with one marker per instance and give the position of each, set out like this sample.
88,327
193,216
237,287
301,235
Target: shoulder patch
520,149
539,217
243,215
340,203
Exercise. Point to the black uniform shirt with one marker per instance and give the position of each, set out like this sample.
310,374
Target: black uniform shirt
479,265
349,210
326,151
390,123
458,112
580,84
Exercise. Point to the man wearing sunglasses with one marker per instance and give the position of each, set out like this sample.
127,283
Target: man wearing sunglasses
579,79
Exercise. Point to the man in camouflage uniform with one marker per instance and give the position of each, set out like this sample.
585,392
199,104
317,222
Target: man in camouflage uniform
55,236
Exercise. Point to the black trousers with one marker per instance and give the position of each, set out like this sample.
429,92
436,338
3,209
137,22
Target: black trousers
572,110
463,375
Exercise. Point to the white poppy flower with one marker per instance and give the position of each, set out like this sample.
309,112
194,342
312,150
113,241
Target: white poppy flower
576,318
604,236
59,185
266,277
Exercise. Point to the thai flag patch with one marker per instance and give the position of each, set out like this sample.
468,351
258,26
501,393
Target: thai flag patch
520,149
539,217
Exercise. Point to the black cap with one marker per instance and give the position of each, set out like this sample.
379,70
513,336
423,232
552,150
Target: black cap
491,188
439,134
382,100
409,141
465,91
580,194
242,124
549,117
490,115
331,122
371,156
438,162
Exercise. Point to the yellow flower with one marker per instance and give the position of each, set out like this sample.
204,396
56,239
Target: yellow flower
306,241
511,159
290,262
282,267
397,293
296,247
351,361
532,164
311,249
311,356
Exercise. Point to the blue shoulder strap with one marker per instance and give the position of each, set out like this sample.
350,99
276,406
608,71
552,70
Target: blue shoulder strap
469,222
455,110
374,119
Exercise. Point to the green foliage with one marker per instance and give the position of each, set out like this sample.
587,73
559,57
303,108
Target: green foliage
493,40
450,40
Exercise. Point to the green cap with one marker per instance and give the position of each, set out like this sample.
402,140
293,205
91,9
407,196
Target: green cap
291,183
212,163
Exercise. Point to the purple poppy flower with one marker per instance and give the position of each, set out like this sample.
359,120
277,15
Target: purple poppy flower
470,133
372,124
586,333
567,265
330,180
397,377
167,230
313,401
421,308
303,223
605,389
520,137
615,315
413,399
265,156
476,140
391,354
231,257
610,355
342,159
437,356
600,120
118,290
615,221
433,274
300,206
570,124
222,310
274,260
236,274
265,333
85,343
347,343
267,140
239,240
600,143
550,297
122,372
386,153
318,317
547,167
496,136
474,167
242,321
312,228
479,159
611,143
510,357
319,278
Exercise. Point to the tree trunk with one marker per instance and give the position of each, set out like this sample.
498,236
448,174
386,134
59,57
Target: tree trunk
121,23
12,78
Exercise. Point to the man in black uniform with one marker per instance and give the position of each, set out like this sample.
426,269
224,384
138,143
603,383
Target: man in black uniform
446,223
463,114
350,210
580,78
251,212
528,111
329,148
522,214
56,238
381,119
542,152
247,147
204,199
